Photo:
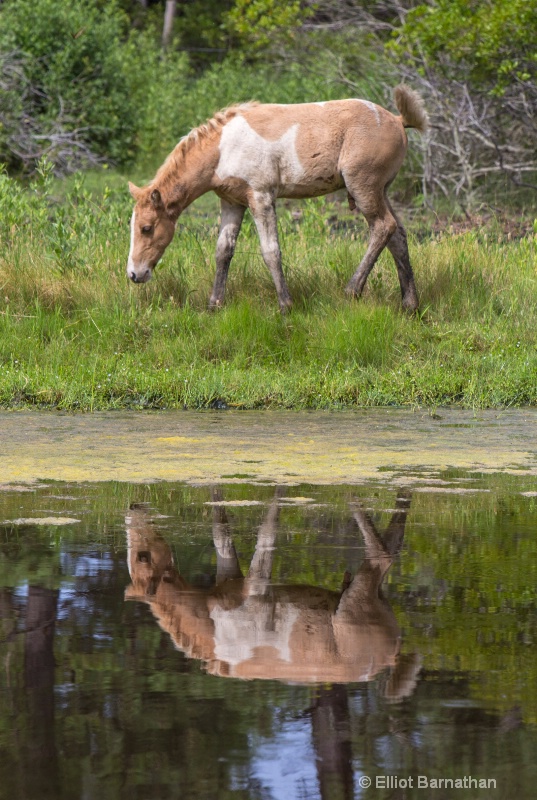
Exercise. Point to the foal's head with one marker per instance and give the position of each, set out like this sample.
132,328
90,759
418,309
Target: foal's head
152,230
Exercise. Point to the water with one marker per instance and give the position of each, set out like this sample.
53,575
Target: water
232,640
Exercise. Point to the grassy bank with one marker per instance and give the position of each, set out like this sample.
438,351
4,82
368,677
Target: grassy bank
74,334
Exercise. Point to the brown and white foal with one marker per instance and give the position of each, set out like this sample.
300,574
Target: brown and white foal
252,154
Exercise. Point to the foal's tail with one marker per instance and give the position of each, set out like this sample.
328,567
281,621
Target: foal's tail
410,106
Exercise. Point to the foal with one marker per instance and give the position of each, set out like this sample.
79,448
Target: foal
251,154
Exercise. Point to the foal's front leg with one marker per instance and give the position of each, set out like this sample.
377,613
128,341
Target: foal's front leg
263,208
230,226
227,561
258,578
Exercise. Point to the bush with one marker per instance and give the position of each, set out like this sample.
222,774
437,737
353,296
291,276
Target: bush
87,80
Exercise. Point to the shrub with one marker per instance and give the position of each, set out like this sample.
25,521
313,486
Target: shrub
83,79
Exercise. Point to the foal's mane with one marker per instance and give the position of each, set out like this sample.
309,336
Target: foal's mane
198,136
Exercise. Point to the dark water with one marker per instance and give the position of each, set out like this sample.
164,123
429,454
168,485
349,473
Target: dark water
260,642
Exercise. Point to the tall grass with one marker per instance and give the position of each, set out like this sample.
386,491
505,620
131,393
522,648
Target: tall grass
75,334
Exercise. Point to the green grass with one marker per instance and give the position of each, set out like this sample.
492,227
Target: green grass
75,334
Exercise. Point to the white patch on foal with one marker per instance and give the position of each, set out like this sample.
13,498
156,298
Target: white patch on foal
245,154
256,623
372,107
129,260
132,269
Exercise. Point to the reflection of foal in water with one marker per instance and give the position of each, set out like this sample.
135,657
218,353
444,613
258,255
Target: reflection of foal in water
247,627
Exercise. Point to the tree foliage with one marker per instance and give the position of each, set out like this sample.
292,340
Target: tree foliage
486,41
254,23
476,65
82,80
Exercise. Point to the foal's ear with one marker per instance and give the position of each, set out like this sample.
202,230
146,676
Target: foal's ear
156,199
135,191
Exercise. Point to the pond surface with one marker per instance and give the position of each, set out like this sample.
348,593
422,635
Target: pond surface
271,605
269,642
320,447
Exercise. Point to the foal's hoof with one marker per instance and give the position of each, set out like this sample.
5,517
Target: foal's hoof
410,307
352,292
286,307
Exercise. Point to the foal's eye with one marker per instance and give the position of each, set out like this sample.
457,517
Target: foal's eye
147,229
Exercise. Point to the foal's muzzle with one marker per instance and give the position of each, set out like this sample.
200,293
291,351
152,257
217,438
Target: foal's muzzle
142,276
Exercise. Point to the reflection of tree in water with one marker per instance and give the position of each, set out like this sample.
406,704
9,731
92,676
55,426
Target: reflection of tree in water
42,779
332,740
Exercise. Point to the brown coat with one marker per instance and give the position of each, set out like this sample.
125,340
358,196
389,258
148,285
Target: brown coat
252,154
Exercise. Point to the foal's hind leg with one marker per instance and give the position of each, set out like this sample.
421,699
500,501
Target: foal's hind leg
263,209
398,247
382,226
230,226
